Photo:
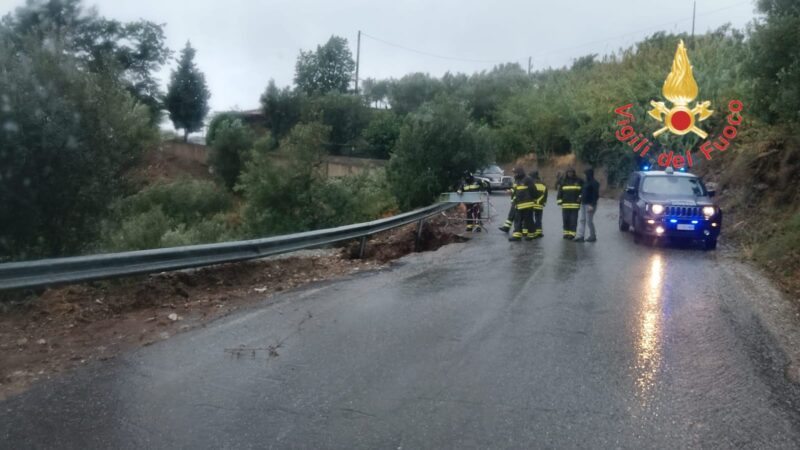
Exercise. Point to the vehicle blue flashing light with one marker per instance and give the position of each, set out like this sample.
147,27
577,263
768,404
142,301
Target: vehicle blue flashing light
694,222
682,169
646,167
673,220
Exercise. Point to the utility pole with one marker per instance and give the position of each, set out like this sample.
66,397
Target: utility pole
694,13
358,58
530,65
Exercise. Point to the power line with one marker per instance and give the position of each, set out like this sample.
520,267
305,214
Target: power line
433,55
546,52
642,30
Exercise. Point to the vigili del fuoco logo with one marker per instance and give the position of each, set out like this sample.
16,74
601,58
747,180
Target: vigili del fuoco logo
680,118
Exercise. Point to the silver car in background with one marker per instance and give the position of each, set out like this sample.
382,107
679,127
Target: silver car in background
495,176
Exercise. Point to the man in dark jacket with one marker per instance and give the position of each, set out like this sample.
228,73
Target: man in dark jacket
589,196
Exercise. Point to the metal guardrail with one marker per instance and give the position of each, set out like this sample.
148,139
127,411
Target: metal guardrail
49,272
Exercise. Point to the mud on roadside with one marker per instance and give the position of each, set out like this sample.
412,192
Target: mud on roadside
66,327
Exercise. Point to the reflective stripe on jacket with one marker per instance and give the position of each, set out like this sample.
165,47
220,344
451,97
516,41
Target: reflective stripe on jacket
569,193
525,193
541,199
471,187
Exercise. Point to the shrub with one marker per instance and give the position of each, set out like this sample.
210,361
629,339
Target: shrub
232,143
183,201
296,197
139,231
166,215
279,199
265,143
352,199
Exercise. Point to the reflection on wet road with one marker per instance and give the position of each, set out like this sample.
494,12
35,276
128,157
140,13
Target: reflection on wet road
486,344
649,351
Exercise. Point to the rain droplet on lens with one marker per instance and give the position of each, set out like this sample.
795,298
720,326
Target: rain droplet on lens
72,143
10,126
49,45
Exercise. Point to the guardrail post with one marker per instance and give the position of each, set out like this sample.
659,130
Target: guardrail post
418,240
362,247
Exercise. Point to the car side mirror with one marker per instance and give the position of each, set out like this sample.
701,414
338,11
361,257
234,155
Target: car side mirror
712,193
630,190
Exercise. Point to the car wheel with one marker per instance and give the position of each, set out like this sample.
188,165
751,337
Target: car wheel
710,244
623,226
638,238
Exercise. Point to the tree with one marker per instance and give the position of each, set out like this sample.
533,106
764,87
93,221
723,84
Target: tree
382,133
345,114
286,199
282,108
455,84
375,92
230,149
187,96
486,91
410,92
133,50
774,61
538,120
329,68
436,145
67,138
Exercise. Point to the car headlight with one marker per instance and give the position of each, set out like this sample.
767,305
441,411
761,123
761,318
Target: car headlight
709,211
657,209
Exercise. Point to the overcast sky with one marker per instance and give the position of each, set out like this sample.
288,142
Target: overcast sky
241,44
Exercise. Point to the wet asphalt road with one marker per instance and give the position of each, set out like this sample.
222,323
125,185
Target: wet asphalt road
487,344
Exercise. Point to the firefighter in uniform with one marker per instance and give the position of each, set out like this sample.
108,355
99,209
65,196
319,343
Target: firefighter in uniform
524,194
569,197
470,184
538,205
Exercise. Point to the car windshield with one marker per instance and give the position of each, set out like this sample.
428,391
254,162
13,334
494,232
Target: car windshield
669,185
492,169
